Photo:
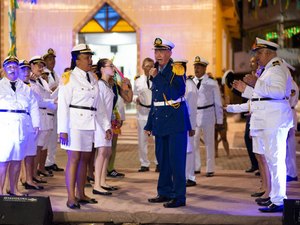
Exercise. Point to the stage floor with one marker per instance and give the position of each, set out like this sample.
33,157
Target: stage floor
222,199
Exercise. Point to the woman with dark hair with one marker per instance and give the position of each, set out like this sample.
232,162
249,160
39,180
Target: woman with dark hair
76,116
103,134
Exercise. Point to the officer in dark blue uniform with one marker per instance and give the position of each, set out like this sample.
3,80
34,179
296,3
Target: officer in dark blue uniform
169,122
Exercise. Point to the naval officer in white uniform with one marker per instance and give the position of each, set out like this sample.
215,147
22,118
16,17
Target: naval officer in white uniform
209,113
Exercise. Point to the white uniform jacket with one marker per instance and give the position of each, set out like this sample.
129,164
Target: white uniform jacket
144,93
53,79
23,99
209,94
191,99
274,83
42,93
77,102
105,108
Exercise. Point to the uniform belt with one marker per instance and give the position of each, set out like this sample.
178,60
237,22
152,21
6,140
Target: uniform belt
14,111
169,102
50,114
206,106
146,106
83,107
266,99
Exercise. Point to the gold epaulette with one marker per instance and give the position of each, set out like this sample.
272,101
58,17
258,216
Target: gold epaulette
65,77
276,63
178,69
136,77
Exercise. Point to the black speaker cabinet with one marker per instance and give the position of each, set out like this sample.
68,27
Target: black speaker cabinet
29,210
291,212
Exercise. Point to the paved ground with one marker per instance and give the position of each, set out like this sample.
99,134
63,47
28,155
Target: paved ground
223,199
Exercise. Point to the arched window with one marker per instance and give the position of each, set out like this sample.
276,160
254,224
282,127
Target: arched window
106,20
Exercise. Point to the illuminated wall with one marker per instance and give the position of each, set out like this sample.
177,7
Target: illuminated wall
190,24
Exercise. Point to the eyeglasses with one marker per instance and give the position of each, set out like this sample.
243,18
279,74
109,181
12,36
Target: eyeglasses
111,66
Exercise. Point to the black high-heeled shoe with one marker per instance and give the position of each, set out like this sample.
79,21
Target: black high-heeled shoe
110,188
90,179
73,206
39,181
45,174
32,187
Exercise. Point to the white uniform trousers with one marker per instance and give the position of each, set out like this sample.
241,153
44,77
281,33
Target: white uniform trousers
52,146
291,165
143,143
190,160
273,141
208,131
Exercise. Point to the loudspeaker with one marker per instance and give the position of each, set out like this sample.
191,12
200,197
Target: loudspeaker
25,210
291,212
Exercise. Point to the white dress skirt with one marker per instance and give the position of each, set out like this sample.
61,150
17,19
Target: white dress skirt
80,140
106,97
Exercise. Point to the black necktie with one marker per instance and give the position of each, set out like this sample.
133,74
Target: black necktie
88,77
52,74
148,83
199,83
13,86
39,80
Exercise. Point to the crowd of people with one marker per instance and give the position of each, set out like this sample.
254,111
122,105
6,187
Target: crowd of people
83,110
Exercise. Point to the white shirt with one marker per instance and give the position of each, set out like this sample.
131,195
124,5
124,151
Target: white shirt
143,92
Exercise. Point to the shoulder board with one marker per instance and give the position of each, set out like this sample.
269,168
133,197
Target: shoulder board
178,69
276,63
65,77
190,77
136,77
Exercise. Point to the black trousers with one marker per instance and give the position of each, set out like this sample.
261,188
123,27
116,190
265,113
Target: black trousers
248,142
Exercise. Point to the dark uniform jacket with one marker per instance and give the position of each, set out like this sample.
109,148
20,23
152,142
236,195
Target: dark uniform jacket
165,120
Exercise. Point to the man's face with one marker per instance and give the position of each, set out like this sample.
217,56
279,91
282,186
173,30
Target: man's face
162,56
12,70
24,73
253,64
147,66
84,62
50,62
37,68
262,56
199,70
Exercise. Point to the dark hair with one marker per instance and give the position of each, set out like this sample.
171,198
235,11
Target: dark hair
101,63
73,59
147,60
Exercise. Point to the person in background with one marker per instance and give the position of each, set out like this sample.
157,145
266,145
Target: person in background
53,83
291,164
247,138
31,147
209,114
169,122
76,117
19,110
124,90
191,99
142,98
222,130
46,106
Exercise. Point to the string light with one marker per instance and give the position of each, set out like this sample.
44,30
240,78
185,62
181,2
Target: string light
288,33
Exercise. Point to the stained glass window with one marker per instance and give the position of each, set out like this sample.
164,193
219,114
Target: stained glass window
107,19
